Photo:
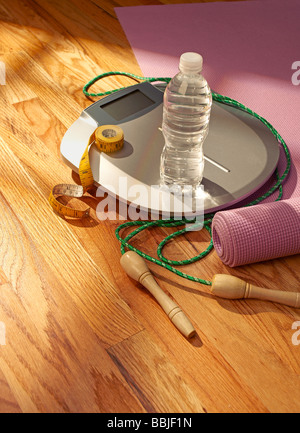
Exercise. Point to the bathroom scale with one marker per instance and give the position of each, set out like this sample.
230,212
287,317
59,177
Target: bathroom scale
241,153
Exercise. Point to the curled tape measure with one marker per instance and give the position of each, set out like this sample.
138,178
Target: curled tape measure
108,139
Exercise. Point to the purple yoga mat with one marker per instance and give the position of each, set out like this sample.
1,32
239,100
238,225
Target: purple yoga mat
249,48
257,233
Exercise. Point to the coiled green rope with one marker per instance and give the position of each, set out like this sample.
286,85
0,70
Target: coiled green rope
143,225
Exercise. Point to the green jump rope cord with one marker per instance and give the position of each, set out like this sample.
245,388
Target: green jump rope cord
143,225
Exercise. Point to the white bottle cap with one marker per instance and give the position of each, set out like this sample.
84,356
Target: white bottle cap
190,62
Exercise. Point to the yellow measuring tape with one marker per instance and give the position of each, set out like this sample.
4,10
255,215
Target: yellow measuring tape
108,139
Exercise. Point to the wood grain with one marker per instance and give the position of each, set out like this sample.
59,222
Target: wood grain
81,336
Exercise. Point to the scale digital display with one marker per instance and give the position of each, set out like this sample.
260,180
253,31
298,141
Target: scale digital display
127,105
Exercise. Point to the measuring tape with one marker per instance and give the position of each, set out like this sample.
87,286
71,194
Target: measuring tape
108,139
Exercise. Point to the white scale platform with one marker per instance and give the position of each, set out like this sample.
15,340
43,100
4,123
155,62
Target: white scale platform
241,152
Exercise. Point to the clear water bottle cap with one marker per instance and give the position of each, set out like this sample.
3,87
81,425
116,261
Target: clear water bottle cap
191,62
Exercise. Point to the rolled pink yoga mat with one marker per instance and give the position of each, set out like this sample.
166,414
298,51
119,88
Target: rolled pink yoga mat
257,233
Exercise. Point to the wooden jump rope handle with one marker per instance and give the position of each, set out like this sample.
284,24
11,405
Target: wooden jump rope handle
230,287
136,268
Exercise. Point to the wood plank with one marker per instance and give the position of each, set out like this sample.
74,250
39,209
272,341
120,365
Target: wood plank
89,285
145,366
8,403
80,335
41,83
49,345
100,48
19,91
43,125
156,363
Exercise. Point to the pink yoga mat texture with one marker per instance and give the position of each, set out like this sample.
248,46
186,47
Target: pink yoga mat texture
257,233
251,52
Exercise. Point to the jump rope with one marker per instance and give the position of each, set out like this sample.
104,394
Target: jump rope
144,225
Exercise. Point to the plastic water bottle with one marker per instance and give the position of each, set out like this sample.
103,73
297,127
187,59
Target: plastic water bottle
186,114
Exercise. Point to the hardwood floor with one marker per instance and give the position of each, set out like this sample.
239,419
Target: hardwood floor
80,335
